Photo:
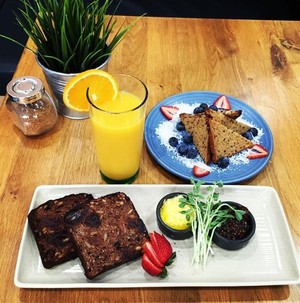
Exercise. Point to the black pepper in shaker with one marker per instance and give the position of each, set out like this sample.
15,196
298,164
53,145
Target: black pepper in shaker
31,108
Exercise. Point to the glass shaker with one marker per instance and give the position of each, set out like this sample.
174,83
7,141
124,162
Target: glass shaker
31,108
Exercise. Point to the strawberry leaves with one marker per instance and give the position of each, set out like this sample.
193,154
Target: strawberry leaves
171,260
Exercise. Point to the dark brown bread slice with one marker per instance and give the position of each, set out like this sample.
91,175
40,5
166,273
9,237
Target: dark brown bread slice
47,225
230,123
107,232
197,126
225,142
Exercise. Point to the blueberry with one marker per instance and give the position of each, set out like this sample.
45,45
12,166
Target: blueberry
198,110
179,126
187,138
173,141
223,162
213,107
192,153
248,135
204,106
184,133
182,149
253,131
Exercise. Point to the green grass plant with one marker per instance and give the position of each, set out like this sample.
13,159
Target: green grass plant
70,36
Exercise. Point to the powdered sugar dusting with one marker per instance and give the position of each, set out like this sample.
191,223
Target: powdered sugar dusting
167,129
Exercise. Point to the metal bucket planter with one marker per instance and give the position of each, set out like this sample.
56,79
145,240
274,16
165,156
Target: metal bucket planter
57,82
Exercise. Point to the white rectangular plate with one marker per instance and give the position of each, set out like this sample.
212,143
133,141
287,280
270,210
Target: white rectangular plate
268,259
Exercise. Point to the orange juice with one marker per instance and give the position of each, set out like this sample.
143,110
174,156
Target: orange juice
118,135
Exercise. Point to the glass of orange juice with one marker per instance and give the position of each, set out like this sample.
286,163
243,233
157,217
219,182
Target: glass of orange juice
118,128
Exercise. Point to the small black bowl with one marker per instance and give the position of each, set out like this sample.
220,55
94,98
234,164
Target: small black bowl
167,230
235,244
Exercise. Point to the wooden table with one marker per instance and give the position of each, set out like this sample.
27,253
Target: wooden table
255,61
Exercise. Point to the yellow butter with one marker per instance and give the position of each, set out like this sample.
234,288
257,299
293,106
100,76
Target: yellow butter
171,216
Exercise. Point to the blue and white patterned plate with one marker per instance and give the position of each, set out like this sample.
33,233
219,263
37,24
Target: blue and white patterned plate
168,158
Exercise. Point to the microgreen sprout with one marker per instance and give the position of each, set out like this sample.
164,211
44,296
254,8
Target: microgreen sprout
209,213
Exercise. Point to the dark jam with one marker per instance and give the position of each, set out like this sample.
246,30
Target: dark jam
232,229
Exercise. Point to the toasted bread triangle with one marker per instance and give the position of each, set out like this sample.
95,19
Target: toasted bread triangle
225,142
197,126
230,123
232,113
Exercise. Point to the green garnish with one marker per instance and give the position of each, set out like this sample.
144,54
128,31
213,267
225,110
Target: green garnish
209,214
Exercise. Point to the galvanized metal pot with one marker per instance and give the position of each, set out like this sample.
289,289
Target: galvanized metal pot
57,81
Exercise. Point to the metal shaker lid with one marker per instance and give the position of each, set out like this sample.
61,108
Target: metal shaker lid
26,89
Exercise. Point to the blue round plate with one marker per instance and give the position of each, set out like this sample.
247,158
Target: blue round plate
233,173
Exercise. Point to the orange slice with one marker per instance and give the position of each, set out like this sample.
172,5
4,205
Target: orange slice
102,87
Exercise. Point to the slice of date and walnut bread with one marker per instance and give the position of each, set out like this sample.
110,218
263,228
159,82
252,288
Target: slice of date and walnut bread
47,225
107,232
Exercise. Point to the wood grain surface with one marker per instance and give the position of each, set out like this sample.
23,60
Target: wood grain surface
255,61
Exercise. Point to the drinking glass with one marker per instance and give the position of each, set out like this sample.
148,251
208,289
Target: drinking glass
118,133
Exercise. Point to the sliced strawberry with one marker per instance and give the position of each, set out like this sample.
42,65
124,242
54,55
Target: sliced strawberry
151,254
158,254
222,102
257,151
200,172
149,267
169,111
161,246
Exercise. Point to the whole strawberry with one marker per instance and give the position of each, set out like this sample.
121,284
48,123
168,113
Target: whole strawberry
158,254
